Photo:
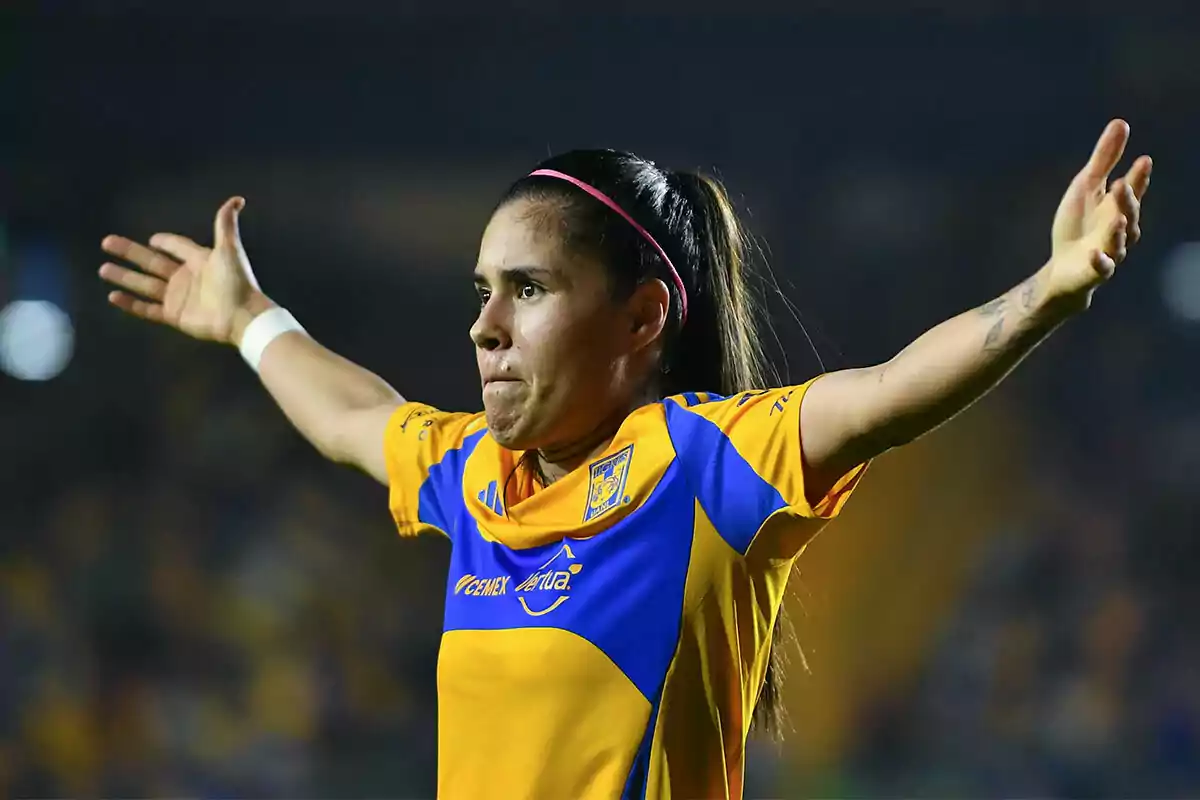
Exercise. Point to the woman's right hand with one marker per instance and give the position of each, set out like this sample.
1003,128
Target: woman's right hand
208,293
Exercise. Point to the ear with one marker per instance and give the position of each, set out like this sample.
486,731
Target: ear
647,307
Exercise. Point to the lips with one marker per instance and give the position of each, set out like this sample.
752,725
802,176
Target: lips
498,380
496,372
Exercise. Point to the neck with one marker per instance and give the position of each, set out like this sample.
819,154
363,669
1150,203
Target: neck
557,460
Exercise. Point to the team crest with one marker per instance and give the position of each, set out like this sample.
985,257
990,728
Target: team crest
607,487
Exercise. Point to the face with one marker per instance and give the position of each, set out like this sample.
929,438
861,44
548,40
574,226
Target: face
558,356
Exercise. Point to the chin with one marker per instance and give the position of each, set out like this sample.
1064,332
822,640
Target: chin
508,441
512,435
509,428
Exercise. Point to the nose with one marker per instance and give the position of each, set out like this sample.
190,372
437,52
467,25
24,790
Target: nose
491,328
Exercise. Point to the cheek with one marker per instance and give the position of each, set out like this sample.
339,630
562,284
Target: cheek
570,352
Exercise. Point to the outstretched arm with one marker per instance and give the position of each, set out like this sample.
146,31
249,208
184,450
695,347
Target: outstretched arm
341,408
852,416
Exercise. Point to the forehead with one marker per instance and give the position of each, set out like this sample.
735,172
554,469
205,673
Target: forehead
521,234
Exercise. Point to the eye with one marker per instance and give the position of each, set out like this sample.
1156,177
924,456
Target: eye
529,291
483,294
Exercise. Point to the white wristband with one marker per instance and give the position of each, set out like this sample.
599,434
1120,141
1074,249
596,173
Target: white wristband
264,329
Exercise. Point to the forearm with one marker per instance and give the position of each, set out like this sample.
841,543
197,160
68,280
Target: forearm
323,394
955,363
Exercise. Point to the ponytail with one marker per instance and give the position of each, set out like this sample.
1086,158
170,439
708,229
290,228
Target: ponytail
720,347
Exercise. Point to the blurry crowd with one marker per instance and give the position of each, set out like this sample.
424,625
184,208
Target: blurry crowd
212,626
1070,669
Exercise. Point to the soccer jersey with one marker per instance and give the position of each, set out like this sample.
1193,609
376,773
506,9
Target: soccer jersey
607,635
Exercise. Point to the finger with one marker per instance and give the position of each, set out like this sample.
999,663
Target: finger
142,309
1115,238
181,247
1127,203
1102,263
1120,247
1139,176
225,226
149,260
1108,151
147,286
1129,207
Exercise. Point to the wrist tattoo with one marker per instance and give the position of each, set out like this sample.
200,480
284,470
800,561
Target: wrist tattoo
997,309
1028,291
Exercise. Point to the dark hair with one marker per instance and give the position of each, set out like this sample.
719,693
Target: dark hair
692,219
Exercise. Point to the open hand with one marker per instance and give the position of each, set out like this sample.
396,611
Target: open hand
1097,223
203,292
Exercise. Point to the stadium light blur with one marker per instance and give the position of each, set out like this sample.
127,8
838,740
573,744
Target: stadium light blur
36,340
1181,281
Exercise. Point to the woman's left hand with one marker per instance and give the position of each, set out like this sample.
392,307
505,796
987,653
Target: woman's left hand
1096,223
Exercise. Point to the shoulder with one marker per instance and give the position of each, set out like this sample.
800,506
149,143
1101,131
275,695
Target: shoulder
752,407
413,416
421,426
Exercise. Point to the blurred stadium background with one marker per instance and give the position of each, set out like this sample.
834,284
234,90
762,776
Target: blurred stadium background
193,604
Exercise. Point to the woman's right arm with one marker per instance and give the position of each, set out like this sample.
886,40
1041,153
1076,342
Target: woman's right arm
337,405
341,408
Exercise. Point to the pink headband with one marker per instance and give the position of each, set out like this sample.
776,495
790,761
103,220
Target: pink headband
608,201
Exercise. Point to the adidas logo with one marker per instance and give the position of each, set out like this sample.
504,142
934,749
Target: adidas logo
490,497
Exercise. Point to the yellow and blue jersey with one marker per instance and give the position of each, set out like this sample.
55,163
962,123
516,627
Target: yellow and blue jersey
607,635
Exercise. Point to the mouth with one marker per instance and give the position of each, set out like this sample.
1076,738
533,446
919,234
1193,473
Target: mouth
501,387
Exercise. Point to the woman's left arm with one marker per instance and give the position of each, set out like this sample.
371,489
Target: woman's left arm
851,416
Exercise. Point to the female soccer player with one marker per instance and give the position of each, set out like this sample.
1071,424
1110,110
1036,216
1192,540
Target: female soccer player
621,537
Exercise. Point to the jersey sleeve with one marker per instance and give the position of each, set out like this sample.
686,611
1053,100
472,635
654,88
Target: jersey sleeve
743,454
424,477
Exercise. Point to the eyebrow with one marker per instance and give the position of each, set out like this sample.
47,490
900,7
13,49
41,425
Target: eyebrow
521,274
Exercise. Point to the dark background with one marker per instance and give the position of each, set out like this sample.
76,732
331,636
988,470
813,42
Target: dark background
193,603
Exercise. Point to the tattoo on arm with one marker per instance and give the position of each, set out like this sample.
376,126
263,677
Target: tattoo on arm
1028,291
997,309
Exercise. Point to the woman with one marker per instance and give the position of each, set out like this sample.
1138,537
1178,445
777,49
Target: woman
621,539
